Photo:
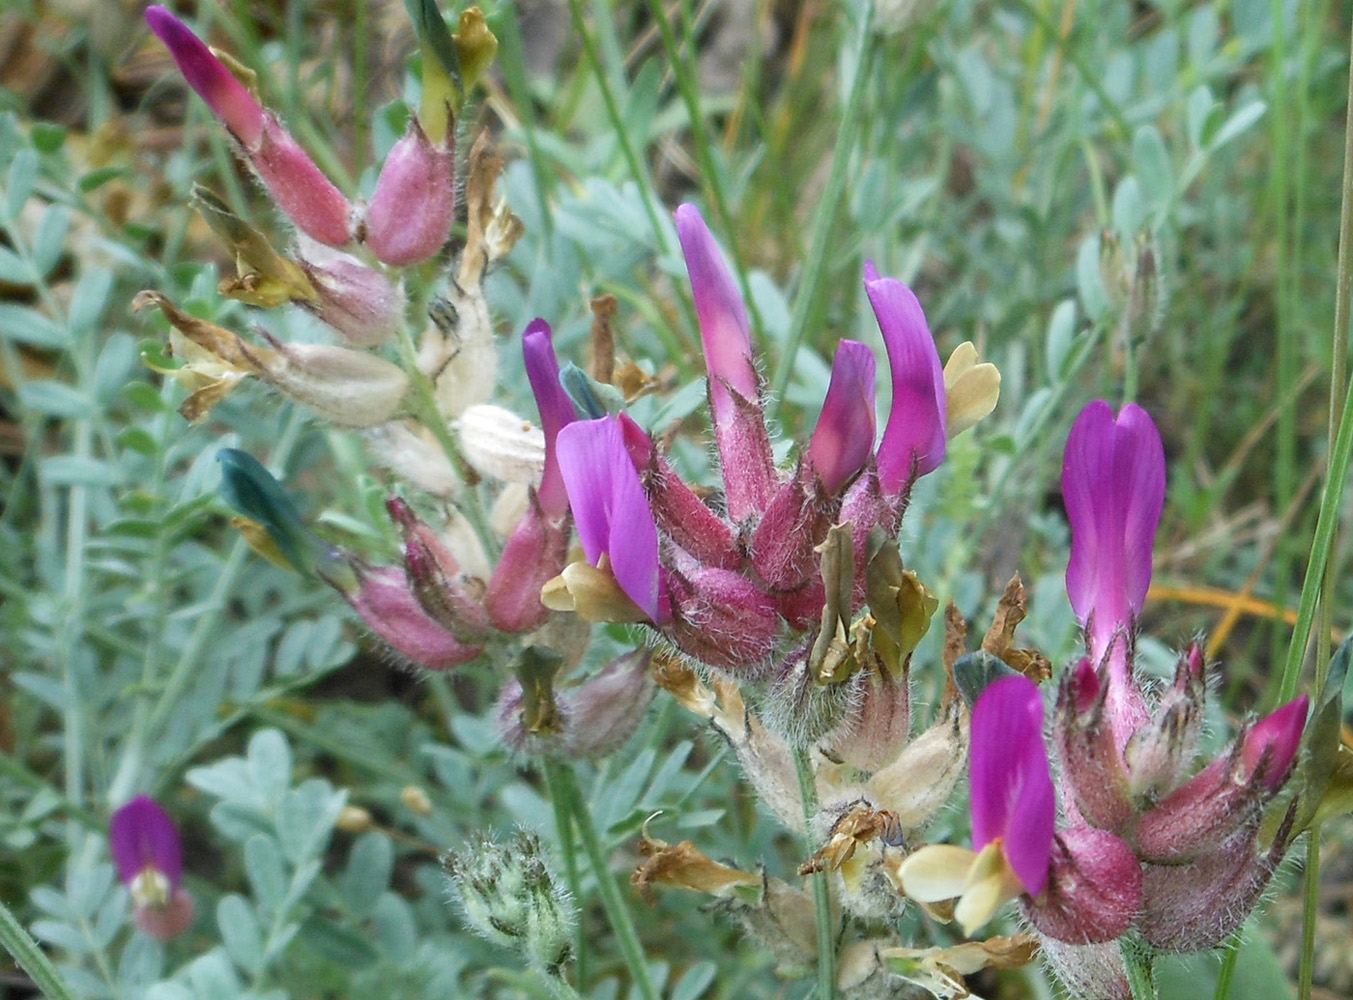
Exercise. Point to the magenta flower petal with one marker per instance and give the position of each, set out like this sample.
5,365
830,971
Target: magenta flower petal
1113,483
844,436
609,507
556,410
722,314
1278,735
1012,794
228,99
913,440
141,835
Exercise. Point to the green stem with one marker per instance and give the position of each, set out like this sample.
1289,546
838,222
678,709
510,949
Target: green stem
805,303
563,785
563,823
826,936
618,125
19,943
1228,966
1336,479
1139,961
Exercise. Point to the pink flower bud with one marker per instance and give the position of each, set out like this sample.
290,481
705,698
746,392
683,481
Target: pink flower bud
679,513
844,436
1092,767
357,301
1227,798
386,602
434,576
228,99
410,214
796,520
535,553
299,187
723,619
1094,890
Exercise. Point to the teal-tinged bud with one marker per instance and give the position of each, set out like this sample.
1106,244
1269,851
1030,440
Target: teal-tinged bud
510,896
251,489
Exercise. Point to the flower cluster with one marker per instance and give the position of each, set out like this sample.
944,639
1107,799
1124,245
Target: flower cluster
1144,845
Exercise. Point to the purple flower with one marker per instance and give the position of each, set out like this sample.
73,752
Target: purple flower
145,846
722,314
914,438
844,436
740,433
228,99
609,507
556,410
1013,802
297,185
1014,812
1113,482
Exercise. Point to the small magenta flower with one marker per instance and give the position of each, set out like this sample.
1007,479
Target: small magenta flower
1014,812
734,389
145,846
1113,483
914,438
411,210
615,525
844,436
228,99
297,185
1080,885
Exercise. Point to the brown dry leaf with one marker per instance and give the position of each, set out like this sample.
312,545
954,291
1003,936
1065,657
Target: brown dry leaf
604,308
491,229
1012,609
687,867
955,645
857,826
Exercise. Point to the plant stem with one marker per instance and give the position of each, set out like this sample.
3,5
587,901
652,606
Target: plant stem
19,943
822,907
805,301
564,784
563,823
1141,973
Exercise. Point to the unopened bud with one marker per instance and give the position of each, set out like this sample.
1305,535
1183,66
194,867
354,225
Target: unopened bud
387,604
1094,890
509,895
723,619
534,554
357,301
410,214
416,800
353,819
